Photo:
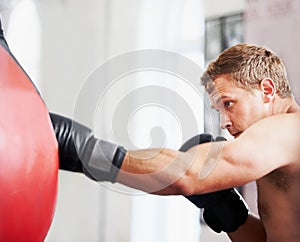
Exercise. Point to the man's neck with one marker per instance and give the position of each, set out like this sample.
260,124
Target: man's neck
285,105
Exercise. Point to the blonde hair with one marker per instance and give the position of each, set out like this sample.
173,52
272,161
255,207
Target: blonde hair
248,65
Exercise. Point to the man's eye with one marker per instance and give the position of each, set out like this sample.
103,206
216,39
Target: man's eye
227,104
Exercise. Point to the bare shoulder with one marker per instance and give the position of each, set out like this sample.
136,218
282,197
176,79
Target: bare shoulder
282,126
269,144
281,120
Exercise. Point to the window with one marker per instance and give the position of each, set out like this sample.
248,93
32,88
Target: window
221,33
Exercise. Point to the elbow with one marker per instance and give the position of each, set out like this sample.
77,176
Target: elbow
185,186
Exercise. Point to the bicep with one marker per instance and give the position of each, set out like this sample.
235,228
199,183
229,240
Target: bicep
258,151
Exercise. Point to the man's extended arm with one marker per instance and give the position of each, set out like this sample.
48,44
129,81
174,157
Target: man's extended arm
202,169
212,166
164,171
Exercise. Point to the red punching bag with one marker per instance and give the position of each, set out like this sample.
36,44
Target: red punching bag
28,157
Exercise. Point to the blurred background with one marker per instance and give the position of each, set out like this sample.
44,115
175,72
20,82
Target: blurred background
65,45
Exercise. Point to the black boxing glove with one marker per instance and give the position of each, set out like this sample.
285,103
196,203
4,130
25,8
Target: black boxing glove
81,151
224,210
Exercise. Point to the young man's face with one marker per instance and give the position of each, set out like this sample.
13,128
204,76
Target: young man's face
238,108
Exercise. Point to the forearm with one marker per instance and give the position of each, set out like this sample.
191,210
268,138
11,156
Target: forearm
157,171
252,230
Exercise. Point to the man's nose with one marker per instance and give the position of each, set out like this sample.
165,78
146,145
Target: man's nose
225,122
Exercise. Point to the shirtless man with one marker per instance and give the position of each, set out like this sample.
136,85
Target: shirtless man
248,86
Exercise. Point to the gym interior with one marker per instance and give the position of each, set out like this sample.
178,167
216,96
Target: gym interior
65,45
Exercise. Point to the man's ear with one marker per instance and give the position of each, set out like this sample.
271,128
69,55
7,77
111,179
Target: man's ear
268,89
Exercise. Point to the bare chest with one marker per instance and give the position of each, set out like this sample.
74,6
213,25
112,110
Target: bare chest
278,196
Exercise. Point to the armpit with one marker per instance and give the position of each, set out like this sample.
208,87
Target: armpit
280,178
